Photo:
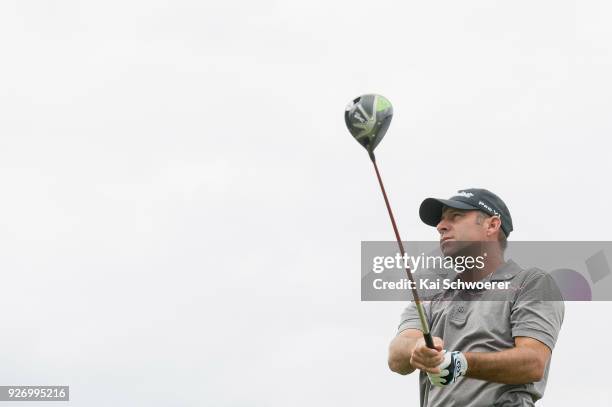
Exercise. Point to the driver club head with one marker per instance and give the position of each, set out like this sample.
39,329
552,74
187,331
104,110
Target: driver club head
368,117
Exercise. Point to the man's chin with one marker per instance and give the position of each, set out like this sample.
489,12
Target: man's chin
449,247
454,248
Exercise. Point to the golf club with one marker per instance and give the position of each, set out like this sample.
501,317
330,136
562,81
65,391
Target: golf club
368,117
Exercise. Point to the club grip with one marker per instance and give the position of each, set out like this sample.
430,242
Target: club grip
429,340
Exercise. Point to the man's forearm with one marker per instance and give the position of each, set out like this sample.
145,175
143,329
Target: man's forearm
512,366
400,351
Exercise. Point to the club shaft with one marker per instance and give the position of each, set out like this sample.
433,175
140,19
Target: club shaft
415,294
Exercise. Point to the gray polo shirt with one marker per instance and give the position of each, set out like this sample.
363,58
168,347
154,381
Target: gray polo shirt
481,321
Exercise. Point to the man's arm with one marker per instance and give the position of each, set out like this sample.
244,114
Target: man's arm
535,326
400,351
408,351
525,363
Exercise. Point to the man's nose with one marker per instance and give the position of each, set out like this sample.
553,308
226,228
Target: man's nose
442,226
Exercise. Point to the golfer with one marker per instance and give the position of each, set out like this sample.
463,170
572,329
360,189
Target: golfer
489,350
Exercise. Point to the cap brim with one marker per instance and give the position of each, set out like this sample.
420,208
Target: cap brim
431,209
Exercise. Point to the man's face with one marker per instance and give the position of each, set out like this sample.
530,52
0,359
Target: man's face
459,227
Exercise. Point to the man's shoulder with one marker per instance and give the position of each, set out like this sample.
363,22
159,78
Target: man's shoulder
512,270
533,272
535,283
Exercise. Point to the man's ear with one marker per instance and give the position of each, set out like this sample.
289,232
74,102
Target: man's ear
494,225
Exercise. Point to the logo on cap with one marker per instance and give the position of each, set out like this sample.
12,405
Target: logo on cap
484,205
465,194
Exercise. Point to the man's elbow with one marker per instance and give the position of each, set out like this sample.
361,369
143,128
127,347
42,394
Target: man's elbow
537,371
399,366
534,371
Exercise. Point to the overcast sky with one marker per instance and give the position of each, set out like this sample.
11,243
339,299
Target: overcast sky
182,207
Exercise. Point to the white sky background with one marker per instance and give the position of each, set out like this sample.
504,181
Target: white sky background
182,206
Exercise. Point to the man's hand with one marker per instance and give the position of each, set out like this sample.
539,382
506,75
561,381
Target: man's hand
451,369
428,360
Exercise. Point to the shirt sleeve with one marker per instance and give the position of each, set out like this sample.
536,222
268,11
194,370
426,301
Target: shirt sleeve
410,317
538,310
